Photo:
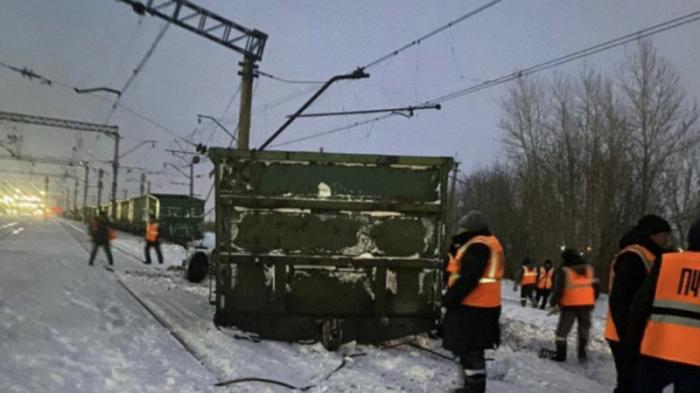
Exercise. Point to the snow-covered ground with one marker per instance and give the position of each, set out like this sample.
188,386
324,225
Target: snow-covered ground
68,327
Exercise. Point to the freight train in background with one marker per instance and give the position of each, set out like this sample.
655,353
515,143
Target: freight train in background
181,217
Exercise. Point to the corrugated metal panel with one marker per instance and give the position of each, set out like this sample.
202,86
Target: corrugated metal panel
328,234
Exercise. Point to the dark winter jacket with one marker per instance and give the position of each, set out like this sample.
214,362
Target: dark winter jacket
642,303
468,328
630,271
559,282
636,317
99,230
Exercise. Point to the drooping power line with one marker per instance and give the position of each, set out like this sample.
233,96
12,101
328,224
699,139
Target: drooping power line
432,33
591,50
555,62
290,81
138,69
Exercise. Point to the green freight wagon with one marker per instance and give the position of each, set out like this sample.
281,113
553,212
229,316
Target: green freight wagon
181,217
336,247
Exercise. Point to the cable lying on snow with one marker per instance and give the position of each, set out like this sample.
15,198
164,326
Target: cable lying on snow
342,364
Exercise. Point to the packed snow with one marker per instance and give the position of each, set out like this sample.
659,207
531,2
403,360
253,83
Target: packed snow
69,327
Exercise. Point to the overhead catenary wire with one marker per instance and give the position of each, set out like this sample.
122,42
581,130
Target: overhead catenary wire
555,62
156,124
432,33
591,50
128,109
334,130
409,109
28,73
290,81
361,70
138,68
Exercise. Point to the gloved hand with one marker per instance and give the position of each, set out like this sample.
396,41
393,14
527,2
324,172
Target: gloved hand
551,310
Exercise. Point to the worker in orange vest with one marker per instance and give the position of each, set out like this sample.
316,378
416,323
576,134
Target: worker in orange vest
545,275
100,231
663,327
153,239
574,293
527,279
639,248
473,298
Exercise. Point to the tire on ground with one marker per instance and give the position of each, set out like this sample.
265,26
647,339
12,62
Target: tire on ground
197,267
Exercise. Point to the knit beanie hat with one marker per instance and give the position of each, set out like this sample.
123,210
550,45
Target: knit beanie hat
472,222
652,224
571,257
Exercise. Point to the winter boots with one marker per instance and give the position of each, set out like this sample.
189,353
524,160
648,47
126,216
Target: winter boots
559,355
582,355
474,384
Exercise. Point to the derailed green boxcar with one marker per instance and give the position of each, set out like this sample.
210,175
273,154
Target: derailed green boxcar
334,247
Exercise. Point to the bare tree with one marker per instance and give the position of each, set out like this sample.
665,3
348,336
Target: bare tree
587,156
663,129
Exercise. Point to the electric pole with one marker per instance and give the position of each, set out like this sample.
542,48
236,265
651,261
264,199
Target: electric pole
75,194
46,196
224,32
100,173
142,186
85,193
192,179
452,218
115,173
247,74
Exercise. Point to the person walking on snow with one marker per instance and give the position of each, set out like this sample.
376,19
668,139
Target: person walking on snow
153,239
545,275
527,278
574,293
473,298
663,325
639,248
101,233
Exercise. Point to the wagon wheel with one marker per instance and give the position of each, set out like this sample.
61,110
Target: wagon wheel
331,334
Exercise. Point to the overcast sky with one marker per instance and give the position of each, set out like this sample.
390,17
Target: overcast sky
89,43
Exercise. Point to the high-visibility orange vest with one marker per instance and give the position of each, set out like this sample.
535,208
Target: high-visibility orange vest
529,276
647,258
545,278
488,292
578,288
673,329
152,232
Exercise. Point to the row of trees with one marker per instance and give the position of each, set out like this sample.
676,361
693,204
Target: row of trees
587,156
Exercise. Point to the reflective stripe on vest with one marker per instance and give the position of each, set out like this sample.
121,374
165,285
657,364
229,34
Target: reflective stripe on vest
578,288
673,330
545,278
488,292
152,232
647,258
529,276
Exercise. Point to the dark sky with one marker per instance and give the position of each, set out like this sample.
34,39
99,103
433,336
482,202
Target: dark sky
88,43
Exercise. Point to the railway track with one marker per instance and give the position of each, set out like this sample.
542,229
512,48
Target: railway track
11,228
157,316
